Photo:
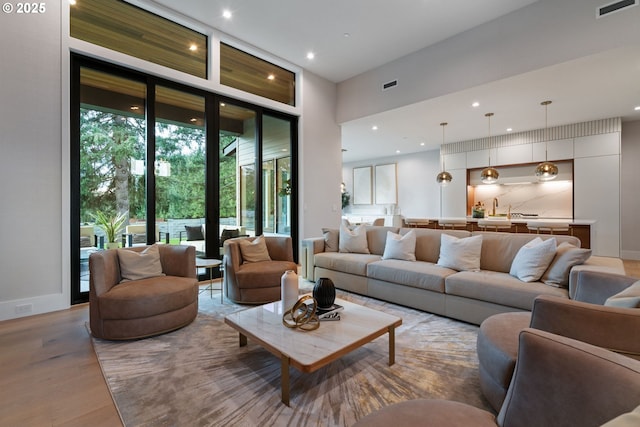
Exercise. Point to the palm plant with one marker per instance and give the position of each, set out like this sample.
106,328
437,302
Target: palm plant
111,225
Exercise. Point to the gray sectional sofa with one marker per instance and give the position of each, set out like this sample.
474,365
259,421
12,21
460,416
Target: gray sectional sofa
471,296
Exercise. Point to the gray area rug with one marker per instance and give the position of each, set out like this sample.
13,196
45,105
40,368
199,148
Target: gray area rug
199,376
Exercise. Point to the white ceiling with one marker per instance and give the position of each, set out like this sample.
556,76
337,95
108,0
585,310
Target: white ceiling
380,31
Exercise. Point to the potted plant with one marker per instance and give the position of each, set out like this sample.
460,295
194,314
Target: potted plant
111,225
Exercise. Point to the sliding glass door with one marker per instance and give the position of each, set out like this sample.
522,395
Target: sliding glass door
173,165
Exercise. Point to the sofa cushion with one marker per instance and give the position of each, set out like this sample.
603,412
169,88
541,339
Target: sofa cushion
499,288
194,232
139,265
346,263
423,275
353,241
460,254
400,247
254,250
567,256
533,259
377,238
628,298
147,297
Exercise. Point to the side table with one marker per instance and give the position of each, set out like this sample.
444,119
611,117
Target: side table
210,264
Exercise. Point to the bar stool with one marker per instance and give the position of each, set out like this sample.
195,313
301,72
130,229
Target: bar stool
548,227
494,224
452,223
417,222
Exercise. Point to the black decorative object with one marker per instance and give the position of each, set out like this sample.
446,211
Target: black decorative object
324,292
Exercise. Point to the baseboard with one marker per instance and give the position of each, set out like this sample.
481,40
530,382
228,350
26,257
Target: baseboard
634,255
25,307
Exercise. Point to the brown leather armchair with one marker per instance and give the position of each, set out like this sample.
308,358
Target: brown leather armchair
145,307
557,382
256,282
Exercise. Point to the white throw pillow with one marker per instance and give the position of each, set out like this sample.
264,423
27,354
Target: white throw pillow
628,298
254,251
353,241
400,247
567,255
139,265
460,254
533,259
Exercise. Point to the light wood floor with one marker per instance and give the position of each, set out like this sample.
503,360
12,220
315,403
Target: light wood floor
50,376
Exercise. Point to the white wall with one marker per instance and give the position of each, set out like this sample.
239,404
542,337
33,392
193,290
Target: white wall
320,158
549,31
630,194
418,192
31,243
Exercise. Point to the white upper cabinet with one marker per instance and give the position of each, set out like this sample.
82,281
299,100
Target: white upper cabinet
516,154
561,149
597,145
480,158
455,161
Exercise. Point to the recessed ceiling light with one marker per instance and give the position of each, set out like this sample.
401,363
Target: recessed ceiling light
397,151
374,127
193,47
226,14
637,108
509,129
311,55
134,107
72,2
422,144
222,104
346,35
475,104
271,77
193,120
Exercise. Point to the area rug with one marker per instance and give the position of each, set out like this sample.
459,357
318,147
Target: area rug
199,376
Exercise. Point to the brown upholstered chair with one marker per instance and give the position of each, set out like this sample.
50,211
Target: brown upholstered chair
256,282
558,382
613,328
145,307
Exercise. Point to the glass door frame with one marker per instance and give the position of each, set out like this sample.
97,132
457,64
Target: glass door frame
212,180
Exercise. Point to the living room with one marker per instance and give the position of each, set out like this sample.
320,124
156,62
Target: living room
36,81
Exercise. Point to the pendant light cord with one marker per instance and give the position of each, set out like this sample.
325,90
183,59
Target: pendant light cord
488,115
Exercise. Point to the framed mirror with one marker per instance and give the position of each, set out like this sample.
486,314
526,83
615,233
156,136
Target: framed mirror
362,186
386,186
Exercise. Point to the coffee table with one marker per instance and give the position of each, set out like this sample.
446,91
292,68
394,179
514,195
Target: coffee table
309,351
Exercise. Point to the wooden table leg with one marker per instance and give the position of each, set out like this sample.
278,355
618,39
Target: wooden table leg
243,340
392,345
284,379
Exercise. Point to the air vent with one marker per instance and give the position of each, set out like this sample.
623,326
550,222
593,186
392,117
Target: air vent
389,85
617,6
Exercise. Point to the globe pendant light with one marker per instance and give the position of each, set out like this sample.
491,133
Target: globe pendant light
444,177
489,175
546,171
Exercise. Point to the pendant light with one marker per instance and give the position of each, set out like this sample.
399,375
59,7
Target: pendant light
489,175
444,177
546,171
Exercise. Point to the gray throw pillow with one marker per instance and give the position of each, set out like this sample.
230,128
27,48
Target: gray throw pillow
400,247
567,256
194,232
254,251
353,241
331,239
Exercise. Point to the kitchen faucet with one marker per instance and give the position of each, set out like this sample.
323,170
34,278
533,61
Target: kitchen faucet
495,205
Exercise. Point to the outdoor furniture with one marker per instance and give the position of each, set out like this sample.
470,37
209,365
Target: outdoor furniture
147,306
256,282
136,235
558,382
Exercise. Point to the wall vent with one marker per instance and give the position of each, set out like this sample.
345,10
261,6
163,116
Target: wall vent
389,85
617,6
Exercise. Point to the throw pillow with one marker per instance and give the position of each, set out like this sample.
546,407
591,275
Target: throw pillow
194,232
254,251
353,241
533,259
139,265
331,239
567,255
628,298
462,254
400,247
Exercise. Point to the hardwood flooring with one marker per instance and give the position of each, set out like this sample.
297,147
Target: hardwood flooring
50,376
